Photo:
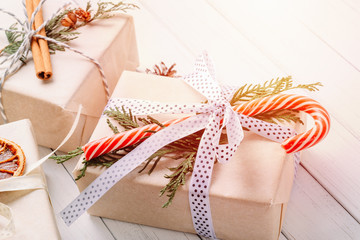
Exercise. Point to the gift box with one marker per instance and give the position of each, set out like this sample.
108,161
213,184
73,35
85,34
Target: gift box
52,105
32,211
248,195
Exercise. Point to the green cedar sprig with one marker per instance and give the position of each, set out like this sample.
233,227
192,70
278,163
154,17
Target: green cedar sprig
280,115
63,158
178,177
106,9
250,92
15,39
124,118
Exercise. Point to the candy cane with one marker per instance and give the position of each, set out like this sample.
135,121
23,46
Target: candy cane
296,102
123,139
251,108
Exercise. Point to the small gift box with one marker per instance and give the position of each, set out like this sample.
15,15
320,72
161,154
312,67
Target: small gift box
31,209
52,105
248,195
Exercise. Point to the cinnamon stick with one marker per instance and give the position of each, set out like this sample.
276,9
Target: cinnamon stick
39,47
43,43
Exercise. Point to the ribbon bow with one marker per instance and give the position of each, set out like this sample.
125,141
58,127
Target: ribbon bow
221,115
24,48
219,108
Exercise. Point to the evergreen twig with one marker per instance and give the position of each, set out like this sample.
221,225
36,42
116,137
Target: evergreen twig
178,177
281,115
250,92
125,119
70,155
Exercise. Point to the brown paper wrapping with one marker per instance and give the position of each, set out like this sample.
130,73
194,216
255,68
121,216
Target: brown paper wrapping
32,210
248,196
51,106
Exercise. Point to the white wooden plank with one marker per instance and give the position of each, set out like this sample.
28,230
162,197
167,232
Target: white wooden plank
156,43
353,4
296,51
337,25
62,190
158,233
135,231
233,55
294,48
335,163
313,214
282,237
191,236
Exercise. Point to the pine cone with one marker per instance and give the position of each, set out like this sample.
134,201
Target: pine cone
70,20
163,70
83,15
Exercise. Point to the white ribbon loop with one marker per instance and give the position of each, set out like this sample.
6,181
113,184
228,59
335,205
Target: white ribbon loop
203,79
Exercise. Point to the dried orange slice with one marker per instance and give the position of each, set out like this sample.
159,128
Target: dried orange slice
12,159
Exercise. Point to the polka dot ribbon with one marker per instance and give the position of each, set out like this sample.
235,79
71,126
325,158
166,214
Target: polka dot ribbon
213,117
14,62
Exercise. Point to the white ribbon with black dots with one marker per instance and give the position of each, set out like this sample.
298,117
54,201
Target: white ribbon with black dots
212,117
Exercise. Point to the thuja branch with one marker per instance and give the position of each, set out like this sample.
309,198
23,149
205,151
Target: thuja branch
63,158
280,115
124,119
106,9
178,177
250,92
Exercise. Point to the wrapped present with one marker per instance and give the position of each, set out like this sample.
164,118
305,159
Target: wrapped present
248,195
32,213
228,190
51,105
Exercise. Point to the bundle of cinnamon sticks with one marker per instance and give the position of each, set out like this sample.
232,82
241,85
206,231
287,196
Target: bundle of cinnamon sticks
39,47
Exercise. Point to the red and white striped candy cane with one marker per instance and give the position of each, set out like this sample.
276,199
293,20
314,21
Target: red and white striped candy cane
123,139
290,101
251,108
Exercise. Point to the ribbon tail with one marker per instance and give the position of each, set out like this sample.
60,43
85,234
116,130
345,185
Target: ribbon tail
129,162
200,183
72,130
22,183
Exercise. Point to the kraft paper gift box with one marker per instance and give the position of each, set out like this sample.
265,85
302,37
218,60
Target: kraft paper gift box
51,106
248,195
32,211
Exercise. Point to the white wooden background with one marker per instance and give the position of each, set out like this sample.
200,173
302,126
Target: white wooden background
253,41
